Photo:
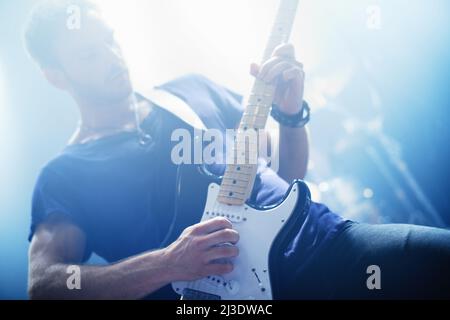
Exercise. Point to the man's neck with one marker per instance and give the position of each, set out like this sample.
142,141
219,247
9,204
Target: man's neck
107,116
100,119
98,122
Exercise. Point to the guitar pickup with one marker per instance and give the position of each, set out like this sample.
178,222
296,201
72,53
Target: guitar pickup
233,217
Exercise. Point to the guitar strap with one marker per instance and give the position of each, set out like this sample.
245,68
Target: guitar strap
175,106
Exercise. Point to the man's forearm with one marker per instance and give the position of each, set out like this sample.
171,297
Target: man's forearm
294,153
133,278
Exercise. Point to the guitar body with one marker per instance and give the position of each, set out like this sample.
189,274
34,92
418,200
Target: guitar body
264,236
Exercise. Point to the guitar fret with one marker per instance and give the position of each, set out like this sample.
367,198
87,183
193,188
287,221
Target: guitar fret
232,198
245,153
237,176
258,109
235,188
263,91
230,192
241,175
234,183
244,158
242,172
247,161
244,139
240,168
245,146
231,201
259,100
253,115
255,121
249,149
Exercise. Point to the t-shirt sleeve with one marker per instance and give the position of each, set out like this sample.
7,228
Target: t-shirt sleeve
218,106
53,195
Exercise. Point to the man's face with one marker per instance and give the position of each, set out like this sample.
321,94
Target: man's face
92,62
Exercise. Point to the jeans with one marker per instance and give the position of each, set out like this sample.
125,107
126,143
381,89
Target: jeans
413,261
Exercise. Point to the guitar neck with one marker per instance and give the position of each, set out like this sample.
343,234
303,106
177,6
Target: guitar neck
240,176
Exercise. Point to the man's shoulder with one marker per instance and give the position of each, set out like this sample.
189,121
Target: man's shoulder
55,167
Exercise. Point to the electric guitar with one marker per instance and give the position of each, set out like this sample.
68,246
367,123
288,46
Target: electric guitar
264,232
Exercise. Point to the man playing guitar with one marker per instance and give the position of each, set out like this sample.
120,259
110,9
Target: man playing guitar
111,190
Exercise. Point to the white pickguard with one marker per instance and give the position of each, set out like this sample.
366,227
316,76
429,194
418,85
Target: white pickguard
257,229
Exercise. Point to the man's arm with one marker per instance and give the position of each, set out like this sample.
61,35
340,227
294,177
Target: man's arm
58,244
294,153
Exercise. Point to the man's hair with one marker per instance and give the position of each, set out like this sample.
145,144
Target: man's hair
46,20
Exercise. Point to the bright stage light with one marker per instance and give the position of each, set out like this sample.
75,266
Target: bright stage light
163,40
166,39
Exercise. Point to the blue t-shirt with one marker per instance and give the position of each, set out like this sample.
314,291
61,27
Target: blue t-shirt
122,194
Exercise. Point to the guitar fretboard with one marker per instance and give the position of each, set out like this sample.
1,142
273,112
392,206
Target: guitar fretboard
240,176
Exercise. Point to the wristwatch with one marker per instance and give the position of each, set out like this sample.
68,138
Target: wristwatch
298,120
